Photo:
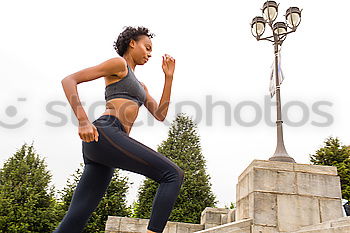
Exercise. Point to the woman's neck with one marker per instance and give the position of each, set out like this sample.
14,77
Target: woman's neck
130,61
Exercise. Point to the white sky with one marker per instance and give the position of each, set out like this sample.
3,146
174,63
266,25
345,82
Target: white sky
41,42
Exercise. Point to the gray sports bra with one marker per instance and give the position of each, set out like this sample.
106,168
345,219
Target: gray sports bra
129,88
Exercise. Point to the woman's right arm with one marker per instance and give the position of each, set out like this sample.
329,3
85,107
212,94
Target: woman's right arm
87,131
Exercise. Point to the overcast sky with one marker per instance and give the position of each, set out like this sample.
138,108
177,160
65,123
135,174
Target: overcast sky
221,79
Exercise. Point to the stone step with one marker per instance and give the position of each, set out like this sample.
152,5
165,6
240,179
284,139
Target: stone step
242,226
344,229
340,225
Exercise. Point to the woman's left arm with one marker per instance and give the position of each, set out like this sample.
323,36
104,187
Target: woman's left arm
160,111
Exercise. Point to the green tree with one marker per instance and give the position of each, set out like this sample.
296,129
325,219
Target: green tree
232,206
27,203
113,202
183,148
335,154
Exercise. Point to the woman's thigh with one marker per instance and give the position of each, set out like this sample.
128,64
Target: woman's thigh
117,149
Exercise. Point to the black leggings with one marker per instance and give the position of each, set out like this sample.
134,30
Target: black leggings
115,149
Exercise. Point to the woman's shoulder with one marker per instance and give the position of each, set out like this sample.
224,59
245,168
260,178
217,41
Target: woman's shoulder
115,66
119,64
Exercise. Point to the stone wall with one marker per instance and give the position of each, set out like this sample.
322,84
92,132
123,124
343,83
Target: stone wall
137,225
286,196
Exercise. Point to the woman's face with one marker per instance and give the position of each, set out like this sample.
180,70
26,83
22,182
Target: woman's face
142,49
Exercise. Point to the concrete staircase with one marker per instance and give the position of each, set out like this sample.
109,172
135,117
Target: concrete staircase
242,226
340,225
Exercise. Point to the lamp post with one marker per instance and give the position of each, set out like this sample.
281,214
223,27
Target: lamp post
279,34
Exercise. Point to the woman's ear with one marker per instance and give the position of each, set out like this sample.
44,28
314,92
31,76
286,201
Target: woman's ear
132,43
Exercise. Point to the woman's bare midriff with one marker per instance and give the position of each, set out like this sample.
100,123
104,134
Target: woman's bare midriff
124,109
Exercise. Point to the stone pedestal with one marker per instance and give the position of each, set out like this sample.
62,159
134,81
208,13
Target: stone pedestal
283,197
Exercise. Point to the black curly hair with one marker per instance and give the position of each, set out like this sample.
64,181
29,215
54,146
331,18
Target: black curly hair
129,33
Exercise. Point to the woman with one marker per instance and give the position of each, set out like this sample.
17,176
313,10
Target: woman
106,143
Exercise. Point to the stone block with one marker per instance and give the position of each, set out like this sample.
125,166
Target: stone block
265,208
213,216
274,181
242,211
112,224
286,166
296,211
330,209
243,187
319,169
231,216
131,225
224,218
170,227
318,185
274,165
185,228
263,229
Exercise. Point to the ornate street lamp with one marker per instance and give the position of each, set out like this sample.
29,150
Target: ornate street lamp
270,11
279,34
258,26
293,17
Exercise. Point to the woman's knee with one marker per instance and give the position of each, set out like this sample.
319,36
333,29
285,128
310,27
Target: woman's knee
174,175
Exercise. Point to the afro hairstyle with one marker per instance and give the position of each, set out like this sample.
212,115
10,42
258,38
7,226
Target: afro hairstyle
130,33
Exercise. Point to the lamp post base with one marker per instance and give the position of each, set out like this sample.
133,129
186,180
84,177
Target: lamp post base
282,159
